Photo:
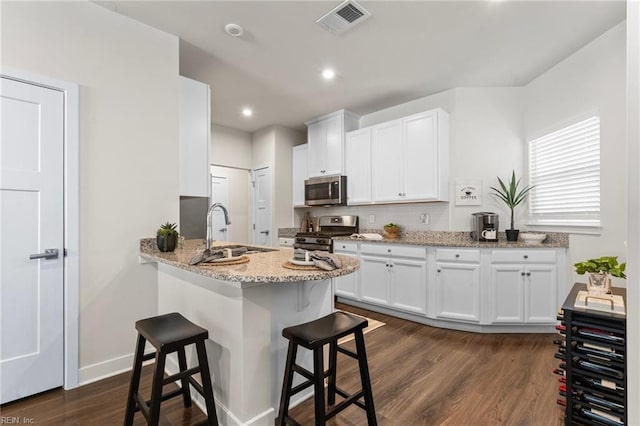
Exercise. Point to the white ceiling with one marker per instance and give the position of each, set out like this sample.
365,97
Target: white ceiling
406,50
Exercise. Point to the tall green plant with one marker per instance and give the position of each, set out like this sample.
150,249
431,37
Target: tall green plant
510,194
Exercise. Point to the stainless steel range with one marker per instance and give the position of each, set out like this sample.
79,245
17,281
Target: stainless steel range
328,227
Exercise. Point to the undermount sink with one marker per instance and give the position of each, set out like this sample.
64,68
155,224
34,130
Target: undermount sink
250,249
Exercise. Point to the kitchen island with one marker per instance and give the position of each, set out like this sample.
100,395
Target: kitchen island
244,307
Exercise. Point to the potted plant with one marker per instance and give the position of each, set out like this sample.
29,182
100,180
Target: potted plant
392,230
600,271
167,237
512,196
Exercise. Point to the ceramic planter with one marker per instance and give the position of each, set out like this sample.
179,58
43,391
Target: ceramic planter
512,234
166,242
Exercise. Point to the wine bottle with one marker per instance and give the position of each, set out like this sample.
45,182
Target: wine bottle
603,384
596,333
587,365
559,371
597,351
561,401
560,342
597,415
594,400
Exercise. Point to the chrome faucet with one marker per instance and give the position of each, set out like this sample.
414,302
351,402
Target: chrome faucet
207,243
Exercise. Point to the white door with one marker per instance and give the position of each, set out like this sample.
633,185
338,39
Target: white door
31,222
317,149
507,293
421,157
458,291
219,194
540,294
409,285
387,170
334,135
374,279
358,165
262,206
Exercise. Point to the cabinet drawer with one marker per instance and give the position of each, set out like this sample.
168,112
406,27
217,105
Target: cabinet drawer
347,247
394,250
525,255
458,255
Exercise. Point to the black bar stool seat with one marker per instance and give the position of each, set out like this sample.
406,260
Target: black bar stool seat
314,335
169,333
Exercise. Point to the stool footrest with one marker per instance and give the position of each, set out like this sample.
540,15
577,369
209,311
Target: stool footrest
143,405
290,421
181,375
350,399
149,356
347,352
303,372
198,387
348,395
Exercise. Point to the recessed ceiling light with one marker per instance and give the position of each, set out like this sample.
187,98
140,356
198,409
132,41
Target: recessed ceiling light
328,74
247,112
234,30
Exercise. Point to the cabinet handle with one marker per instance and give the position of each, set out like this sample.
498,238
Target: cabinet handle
526,256
439,270
528,274
389,250
457,255
399,194
522,274
323,171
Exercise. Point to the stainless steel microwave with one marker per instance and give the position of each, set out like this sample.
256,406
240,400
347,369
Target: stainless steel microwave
325,191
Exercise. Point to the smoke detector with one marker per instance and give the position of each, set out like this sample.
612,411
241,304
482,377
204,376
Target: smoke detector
234,30
343,17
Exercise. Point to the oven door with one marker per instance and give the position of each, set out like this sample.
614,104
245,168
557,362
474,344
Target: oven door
325,191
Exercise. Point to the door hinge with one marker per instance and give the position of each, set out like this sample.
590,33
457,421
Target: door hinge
254,226
64,252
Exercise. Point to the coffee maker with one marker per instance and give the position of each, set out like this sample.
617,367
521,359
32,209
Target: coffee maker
484,226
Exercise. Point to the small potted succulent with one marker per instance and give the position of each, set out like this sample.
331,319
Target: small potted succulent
600,271
392,231
512,197
167,237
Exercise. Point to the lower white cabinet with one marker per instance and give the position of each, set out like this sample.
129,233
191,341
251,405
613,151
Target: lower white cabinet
474,287
347,285
394,276
524,291
457,286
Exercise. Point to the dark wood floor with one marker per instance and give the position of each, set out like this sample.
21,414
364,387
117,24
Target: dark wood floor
420,376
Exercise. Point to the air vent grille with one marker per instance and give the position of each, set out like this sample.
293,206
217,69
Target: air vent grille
343,17
350,13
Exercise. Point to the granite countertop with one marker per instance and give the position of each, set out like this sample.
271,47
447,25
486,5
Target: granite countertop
461,239
264,267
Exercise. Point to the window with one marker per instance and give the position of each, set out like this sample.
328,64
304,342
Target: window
564,167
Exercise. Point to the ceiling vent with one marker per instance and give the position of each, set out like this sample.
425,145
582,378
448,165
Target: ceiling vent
343,17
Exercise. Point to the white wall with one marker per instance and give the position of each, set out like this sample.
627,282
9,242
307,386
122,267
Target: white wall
591,81
128,77
230,147
239,181
285,140
633,141
486,141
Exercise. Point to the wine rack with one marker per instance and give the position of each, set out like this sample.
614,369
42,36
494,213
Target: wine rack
592,369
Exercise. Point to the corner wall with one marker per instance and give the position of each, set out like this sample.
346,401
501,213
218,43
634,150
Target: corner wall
591,81
127,127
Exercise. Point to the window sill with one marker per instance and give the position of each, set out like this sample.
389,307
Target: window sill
570,227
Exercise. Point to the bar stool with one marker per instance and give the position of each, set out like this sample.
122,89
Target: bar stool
169,333
314,335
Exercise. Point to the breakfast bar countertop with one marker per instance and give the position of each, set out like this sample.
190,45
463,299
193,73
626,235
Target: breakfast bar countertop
262,267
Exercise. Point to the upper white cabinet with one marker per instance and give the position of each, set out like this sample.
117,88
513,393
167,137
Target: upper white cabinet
326,136
194,134
299,174
409,160
358,152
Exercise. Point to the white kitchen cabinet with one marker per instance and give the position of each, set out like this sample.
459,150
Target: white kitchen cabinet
523,286
457,285
326,138
358,166
410,158
347,285
299,174
194,137
394,276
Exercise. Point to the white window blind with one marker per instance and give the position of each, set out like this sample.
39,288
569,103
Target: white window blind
564,167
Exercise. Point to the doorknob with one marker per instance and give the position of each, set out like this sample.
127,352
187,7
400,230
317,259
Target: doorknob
48,254
266,232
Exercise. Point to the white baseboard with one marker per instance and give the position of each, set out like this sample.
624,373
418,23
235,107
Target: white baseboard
111,367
